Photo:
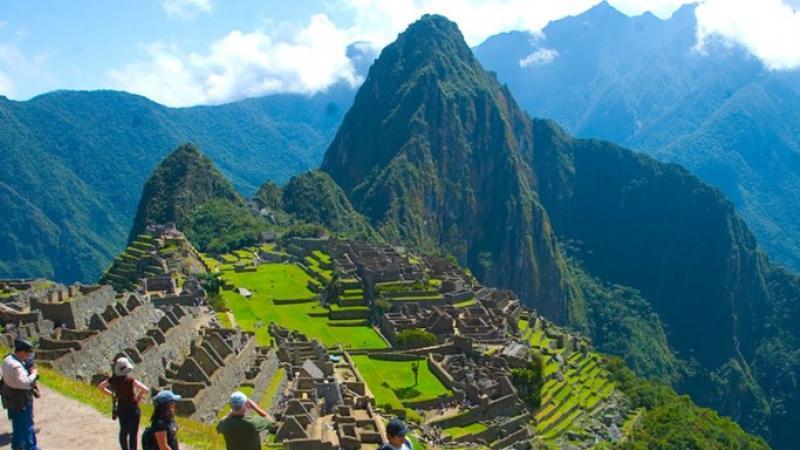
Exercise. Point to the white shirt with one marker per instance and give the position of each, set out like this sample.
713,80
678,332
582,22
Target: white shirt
15,375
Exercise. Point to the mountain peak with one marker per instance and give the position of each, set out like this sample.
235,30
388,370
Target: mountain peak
432,37
182,181
430,129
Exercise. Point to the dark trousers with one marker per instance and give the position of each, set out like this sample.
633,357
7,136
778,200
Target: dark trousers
24,437
128,427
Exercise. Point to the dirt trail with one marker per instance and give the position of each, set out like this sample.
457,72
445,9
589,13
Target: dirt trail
66,424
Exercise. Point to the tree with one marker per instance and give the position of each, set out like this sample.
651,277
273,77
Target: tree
529,381
415,369
415,338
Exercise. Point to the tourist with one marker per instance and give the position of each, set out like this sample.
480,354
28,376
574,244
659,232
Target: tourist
18,391
127,392
162,434
396,431
242,431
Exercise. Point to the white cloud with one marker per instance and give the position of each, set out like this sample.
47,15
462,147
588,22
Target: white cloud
541,56
6,85
306,60
379,21
185,9
769,29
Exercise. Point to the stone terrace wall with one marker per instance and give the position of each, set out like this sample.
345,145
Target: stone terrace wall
95,353
76,312
151,337
212,388
266,372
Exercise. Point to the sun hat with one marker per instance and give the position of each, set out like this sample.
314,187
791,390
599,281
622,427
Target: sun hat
166,396
122,366
238,400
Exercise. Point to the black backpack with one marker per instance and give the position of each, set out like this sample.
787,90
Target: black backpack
149,440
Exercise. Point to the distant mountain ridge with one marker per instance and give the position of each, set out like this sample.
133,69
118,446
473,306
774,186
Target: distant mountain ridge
74,163
640,82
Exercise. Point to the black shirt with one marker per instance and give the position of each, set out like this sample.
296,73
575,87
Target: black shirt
172,432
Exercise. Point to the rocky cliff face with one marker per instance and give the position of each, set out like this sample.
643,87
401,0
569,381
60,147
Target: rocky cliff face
435,153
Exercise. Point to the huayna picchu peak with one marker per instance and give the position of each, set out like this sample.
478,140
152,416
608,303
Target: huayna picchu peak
434,152
450,274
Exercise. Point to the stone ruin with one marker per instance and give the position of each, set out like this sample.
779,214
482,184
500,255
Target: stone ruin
326,404
170,338
491,320
483,385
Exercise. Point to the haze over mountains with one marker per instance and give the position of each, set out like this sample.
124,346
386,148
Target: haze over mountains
640,82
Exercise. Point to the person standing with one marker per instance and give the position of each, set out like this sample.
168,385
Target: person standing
162,434
127,392
242,431
19,388
396,431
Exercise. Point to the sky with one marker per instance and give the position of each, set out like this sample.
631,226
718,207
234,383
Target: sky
189,52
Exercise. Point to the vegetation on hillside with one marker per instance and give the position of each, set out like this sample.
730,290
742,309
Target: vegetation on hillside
669,421
74,164
219,226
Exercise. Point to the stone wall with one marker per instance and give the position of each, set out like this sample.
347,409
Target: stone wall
76,312
152,338
96,353
267,370
208,376
504,406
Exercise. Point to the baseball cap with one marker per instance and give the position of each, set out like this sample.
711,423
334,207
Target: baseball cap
21,345
396,427
238,400
166,396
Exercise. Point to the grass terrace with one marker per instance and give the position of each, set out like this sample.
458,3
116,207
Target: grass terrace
392,382
272,284
457,432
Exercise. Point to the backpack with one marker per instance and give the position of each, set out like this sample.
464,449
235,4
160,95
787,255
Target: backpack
149,440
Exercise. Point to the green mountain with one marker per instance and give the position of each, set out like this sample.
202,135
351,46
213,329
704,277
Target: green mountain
74,163
187,190
647,258
314,198
640,82
433,152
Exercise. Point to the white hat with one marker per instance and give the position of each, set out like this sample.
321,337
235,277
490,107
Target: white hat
122,366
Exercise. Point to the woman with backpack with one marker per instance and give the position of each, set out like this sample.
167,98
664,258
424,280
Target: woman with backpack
127,392
162,434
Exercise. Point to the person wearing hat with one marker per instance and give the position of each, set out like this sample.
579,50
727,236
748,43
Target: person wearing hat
242,431
127,393
396,431
19,388
162,434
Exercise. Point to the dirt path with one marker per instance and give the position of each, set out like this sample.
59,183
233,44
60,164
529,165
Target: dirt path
66,424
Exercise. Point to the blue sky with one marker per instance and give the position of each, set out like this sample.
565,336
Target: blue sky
186,52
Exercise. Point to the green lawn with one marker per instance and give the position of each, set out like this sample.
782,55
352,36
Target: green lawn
278,281
392,382
286,281
457,432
